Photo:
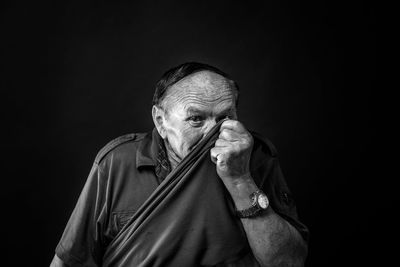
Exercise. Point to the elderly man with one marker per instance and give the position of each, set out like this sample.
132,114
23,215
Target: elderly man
199,190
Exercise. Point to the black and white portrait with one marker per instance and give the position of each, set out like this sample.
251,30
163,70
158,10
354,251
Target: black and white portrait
178,133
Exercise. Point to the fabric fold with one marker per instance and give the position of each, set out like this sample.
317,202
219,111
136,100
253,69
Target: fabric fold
187,221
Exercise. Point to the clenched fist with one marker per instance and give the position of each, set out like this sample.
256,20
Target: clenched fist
232,152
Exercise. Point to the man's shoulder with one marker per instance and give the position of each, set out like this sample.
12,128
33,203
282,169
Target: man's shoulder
119,142
264,144
263,156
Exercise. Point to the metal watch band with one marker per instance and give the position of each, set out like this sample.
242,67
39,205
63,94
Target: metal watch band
254,209
250,212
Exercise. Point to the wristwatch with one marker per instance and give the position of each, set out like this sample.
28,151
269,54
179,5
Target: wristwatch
259,202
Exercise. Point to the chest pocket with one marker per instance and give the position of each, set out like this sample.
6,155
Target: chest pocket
120,219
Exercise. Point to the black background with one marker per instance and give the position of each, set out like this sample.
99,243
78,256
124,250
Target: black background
77,74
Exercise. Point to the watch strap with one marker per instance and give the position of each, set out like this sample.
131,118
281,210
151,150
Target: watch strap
249,212
254,209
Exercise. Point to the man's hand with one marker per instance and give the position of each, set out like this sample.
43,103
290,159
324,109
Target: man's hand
273,240
232,153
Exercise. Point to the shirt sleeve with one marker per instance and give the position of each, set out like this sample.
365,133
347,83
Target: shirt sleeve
81,243
269,178
281,199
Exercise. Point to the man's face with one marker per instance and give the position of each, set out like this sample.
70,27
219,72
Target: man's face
192,107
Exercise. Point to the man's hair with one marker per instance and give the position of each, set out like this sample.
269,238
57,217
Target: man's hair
177,73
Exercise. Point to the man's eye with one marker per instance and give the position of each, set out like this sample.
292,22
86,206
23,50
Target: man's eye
195,118
196,121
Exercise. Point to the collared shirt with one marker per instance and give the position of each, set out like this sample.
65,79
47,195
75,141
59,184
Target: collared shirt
152,153
125,173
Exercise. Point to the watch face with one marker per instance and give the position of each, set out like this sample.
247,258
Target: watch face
263,201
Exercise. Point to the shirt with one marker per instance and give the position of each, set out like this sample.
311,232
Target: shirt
124,174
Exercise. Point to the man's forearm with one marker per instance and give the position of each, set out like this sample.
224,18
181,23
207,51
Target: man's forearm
273,240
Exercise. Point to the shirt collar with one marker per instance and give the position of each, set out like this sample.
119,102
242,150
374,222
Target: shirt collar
151,152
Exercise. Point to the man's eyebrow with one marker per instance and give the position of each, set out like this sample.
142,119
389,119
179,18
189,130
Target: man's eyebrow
195,110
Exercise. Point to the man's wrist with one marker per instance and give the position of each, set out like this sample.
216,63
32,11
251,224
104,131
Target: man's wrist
259,203
239,183
240,190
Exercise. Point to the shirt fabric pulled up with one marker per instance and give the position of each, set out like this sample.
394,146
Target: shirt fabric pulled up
125,174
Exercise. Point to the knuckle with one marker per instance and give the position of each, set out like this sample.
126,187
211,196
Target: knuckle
224,133
225,123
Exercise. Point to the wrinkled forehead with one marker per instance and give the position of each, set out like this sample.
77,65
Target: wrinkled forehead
206,80
202,87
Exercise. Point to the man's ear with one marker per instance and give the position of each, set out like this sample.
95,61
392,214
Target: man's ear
158,115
